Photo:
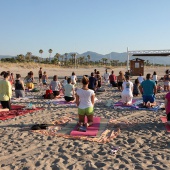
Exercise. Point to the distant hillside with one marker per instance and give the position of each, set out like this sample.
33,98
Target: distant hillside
122,57
6,56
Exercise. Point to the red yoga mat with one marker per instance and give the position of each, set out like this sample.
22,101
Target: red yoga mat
91,130
164,120
16,111
15,107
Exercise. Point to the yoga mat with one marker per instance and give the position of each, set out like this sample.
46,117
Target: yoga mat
4,115
15,107
91,130
137,105
119,103
164,120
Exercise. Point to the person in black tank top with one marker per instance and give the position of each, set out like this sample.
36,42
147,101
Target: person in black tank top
19,87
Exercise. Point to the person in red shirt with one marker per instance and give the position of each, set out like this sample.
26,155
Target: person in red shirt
112,79
167,106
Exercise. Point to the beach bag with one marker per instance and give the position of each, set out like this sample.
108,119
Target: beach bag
101,90
49,95
39,127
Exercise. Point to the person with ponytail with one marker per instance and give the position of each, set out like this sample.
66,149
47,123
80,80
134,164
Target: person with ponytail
127,90
85,102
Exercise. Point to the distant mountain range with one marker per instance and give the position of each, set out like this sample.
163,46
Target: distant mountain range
122,57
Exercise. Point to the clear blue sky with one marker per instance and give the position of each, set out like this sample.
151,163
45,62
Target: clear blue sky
102,26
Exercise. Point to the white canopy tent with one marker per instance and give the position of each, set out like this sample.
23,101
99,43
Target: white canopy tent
147,53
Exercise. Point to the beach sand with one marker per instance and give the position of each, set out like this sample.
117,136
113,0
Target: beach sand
146,145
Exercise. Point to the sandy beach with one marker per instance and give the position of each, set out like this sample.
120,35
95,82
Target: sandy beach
144,145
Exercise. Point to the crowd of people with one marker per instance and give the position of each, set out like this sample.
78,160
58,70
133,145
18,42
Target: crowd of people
84,97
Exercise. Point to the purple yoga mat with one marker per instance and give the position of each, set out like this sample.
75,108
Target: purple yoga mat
91,131
119,103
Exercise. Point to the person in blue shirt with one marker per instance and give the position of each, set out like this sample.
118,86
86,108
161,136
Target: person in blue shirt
148,90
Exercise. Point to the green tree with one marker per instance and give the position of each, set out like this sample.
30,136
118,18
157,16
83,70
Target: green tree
88,56
28,56
50,51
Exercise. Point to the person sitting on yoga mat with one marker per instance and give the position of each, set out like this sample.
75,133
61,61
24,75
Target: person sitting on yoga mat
136,90
92,82
127,89
69,91
5,92
85,102
99,79
19,87
106,77
73,78
140,78
112,79
55,86
29,79
120,80
167,106
148,90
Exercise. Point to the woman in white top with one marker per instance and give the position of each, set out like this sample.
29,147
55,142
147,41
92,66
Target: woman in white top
106,76
140,78
85,102
69,91
155,77
127,93
55,86
73,78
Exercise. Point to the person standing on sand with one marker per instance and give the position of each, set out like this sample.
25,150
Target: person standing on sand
127,89
166,81
85,102
40,74
148,90
44,78
5,92
120,80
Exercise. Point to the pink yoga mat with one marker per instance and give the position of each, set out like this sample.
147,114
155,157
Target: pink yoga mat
164,120
91,131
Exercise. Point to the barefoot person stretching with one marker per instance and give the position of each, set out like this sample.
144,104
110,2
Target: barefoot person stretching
148,90
85,102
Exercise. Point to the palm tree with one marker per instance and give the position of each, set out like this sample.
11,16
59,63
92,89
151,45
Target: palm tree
72,55
57,56
62,57
66,54
28,56
50,51
88,56
41,51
